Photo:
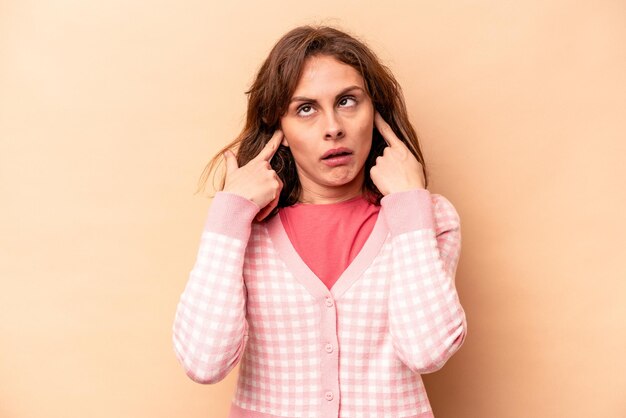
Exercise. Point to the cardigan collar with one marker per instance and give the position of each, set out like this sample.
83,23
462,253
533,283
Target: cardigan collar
305,275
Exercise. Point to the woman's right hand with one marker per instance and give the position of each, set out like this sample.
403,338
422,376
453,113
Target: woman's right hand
256,180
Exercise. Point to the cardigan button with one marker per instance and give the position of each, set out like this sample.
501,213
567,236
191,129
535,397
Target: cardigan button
329,396
329,348
329,302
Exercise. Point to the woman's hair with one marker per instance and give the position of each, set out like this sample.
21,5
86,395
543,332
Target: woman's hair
275,83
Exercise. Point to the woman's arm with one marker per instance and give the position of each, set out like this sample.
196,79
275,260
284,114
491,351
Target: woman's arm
426,320
210,329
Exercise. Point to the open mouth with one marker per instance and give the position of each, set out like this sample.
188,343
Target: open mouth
336,153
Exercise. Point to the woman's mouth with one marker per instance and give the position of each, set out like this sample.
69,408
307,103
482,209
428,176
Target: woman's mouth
335,157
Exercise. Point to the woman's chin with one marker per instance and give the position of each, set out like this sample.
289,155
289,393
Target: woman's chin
337,177
344,179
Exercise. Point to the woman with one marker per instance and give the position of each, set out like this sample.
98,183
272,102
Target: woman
338,304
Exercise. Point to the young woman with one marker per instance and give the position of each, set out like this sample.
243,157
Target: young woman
325,265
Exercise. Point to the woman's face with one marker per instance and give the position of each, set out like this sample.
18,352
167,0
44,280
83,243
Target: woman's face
329,113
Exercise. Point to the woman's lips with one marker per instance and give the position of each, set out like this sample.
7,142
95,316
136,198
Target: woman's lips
337,160
334,151
337,156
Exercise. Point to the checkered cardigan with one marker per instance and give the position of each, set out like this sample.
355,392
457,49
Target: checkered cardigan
356,350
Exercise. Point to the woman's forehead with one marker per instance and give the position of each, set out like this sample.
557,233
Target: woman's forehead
325,75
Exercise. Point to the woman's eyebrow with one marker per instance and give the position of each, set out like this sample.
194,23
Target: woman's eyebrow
342,92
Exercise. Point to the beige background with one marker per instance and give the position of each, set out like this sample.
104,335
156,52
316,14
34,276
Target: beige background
109,111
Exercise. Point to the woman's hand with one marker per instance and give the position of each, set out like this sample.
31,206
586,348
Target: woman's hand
397,170
256,180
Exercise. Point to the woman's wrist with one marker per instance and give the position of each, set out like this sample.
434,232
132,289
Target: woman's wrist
408,210
231,214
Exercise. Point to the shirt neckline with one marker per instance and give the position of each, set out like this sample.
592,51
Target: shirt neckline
310,280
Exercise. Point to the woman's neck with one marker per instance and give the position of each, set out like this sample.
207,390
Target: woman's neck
326,199
322,195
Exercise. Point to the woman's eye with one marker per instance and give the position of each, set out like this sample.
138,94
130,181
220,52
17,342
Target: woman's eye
305,110
349,101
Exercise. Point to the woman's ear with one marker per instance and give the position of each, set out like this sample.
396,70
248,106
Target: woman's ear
284,141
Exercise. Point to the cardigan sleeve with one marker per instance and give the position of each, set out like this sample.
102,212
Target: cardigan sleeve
210,328
426,320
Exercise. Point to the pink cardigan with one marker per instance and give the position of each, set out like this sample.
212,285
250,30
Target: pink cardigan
356,350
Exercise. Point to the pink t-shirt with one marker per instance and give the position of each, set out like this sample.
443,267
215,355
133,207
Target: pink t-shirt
328,236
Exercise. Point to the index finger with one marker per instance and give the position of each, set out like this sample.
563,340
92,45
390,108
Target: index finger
385,130
271,147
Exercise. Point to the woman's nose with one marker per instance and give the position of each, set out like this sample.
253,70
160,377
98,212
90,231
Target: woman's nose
334,126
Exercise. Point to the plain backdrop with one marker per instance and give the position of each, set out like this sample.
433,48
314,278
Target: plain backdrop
109,111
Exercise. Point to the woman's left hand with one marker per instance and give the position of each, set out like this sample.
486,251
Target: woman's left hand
397,170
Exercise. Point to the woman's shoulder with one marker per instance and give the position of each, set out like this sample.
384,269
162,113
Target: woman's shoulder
444,210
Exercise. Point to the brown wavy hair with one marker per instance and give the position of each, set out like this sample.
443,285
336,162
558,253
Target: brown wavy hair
275,83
